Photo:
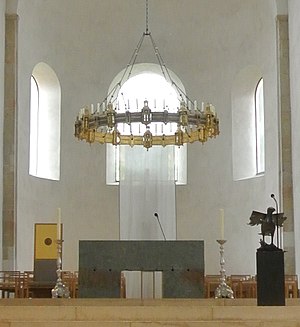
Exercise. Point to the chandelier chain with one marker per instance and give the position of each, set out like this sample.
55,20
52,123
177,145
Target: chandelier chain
102,125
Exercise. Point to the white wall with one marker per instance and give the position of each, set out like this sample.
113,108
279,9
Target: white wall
206,43
294,39
2,47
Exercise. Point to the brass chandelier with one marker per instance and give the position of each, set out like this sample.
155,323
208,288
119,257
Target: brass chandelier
104,124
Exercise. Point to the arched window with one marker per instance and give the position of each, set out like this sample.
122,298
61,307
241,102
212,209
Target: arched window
155,170
45,107
260,127
248,124
149,84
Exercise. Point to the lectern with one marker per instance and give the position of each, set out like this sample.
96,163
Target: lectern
181,264
269,258
270,277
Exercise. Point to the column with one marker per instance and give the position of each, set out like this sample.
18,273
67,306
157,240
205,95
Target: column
286,182
9,144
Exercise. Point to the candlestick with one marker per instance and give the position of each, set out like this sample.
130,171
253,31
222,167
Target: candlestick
222,223
60,290
223,290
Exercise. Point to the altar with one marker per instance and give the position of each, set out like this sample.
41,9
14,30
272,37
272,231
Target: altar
101,264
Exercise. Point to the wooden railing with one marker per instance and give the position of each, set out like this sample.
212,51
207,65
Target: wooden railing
244,286
19,284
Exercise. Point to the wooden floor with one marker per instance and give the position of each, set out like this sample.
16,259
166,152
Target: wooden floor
142,313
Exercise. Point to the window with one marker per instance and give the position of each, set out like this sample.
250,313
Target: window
259,128
148,83
45,106
248,137
34,113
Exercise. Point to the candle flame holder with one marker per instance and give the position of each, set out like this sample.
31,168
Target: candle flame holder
60,290
223,290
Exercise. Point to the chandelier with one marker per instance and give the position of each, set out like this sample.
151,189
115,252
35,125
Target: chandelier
109,122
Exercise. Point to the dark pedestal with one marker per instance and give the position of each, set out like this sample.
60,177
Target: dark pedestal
45,270
270,277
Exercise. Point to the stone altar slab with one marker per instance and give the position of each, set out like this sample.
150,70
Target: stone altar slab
181,264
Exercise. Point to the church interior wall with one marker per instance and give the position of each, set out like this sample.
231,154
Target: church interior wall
294,39
206,43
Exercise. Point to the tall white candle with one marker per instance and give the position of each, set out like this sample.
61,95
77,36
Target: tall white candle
222,223
58,224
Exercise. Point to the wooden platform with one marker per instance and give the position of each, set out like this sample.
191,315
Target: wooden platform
142,313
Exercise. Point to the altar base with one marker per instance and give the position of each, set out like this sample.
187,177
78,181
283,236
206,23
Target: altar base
145,313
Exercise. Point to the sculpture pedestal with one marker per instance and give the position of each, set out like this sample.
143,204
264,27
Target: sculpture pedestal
270,277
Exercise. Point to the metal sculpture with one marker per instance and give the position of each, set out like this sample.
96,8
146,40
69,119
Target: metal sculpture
269,222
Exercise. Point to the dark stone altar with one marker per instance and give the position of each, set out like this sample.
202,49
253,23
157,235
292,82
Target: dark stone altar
181,264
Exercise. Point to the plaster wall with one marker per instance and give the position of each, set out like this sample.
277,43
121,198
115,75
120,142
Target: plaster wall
206,43
2,49
294,39
282,7
11,6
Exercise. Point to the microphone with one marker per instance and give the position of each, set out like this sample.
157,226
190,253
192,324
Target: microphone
276,203
156,215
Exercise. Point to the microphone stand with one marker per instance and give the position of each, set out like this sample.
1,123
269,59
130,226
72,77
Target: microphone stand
156,215
277,232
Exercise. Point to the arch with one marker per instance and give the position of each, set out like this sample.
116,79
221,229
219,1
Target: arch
45,112
244,133
145,67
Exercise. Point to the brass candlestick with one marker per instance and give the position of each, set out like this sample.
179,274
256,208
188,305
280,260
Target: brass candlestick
60,290
223,290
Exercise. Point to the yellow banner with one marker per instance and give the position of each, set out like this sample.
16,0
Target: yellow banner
45,241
